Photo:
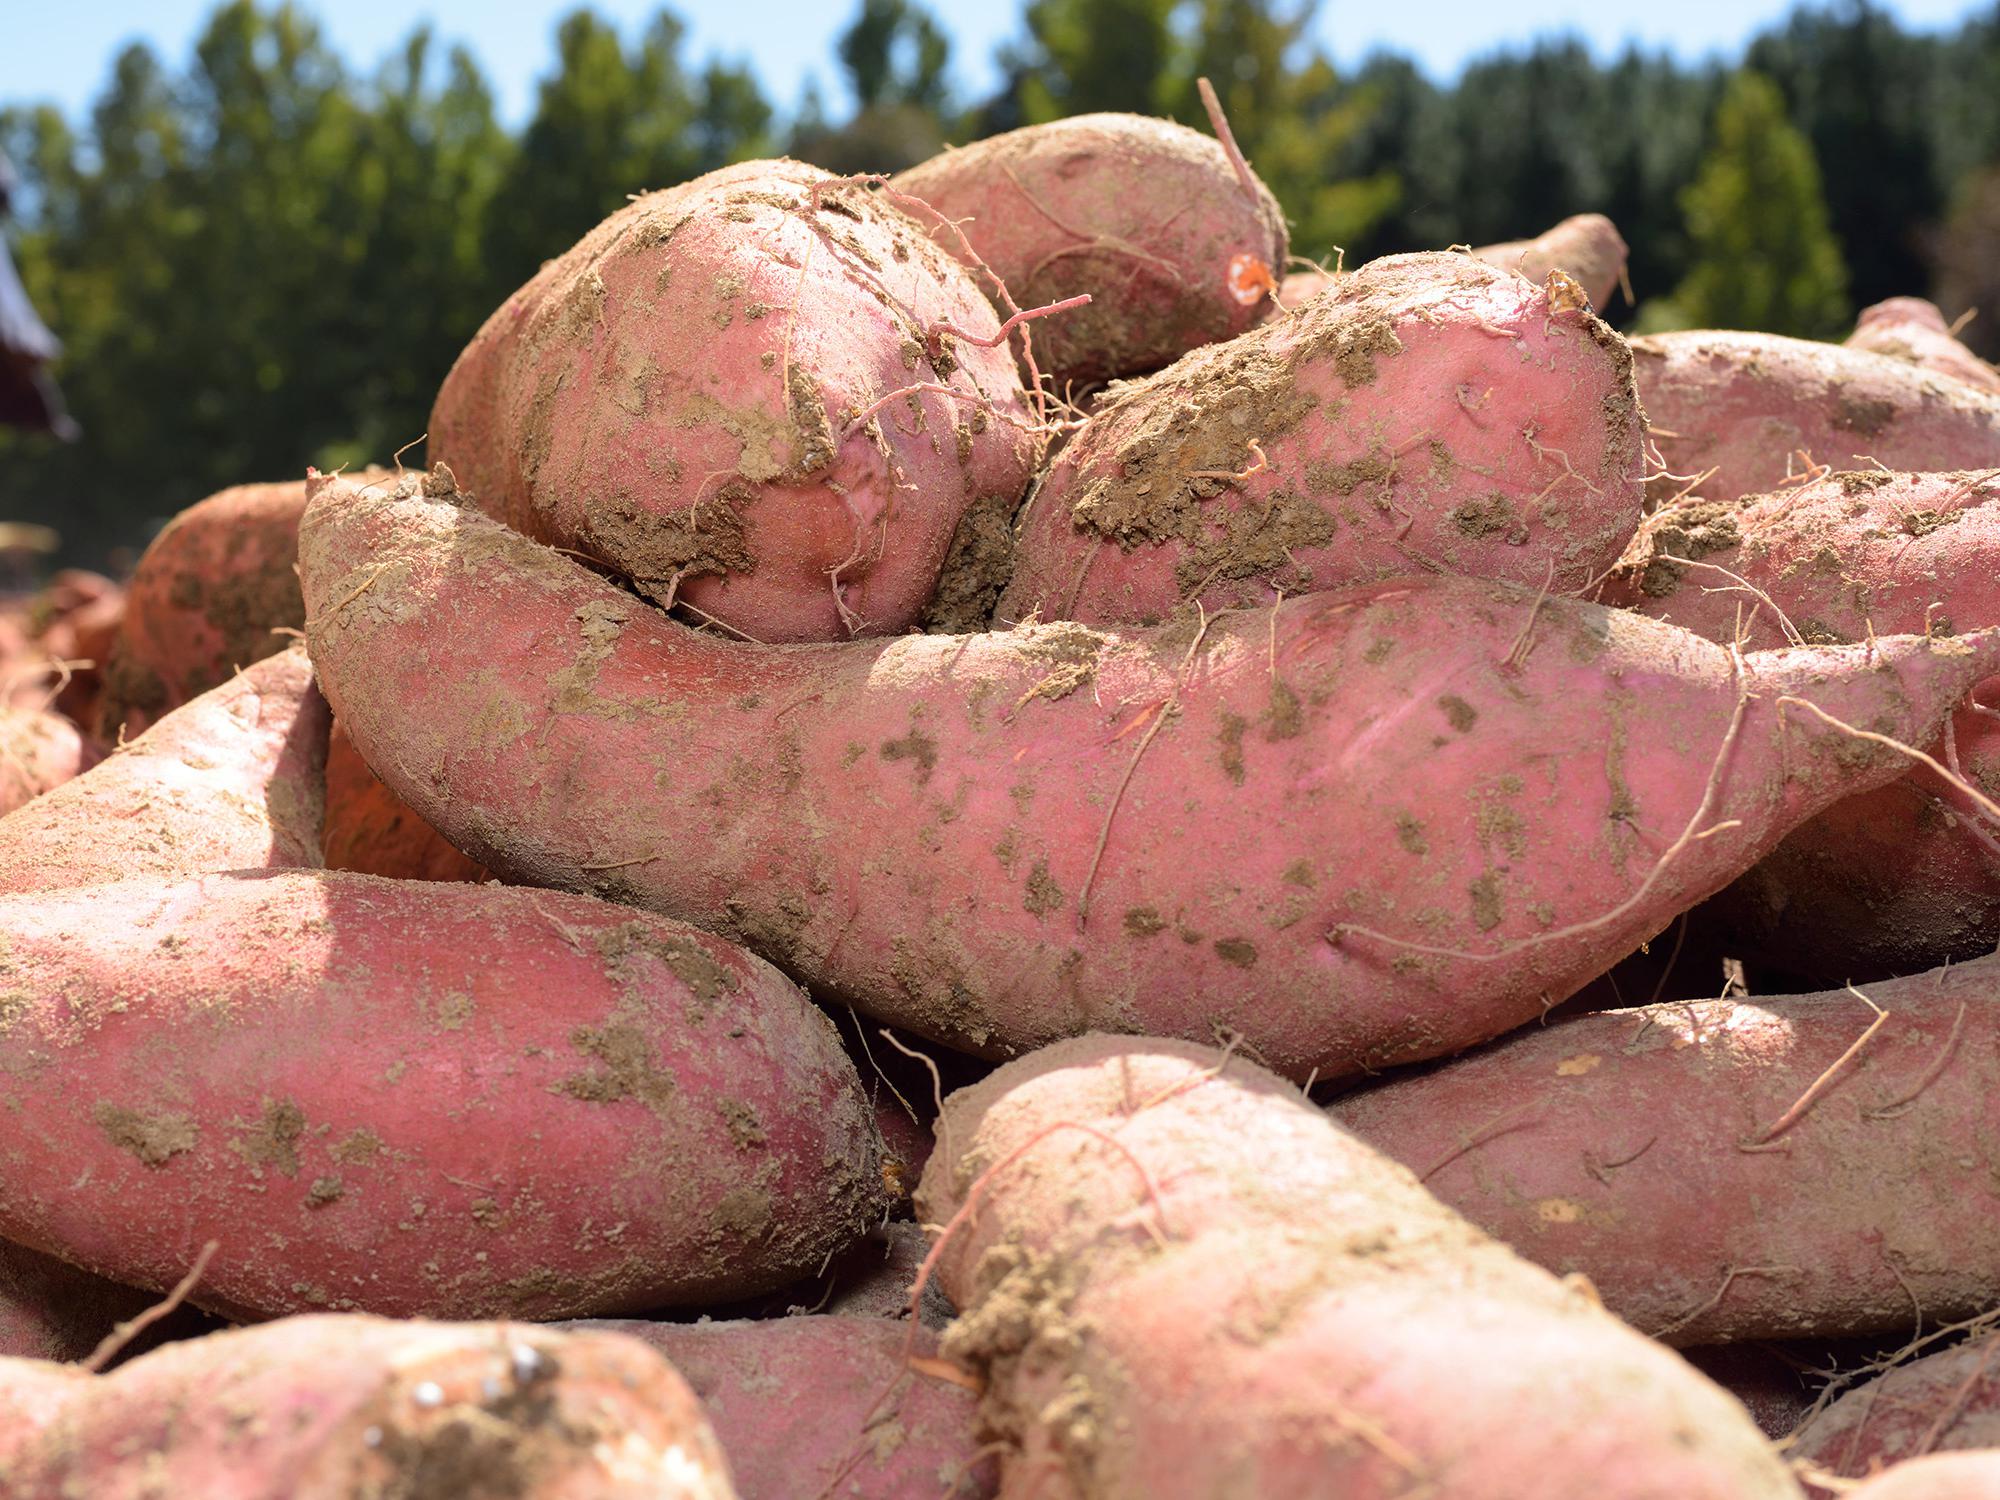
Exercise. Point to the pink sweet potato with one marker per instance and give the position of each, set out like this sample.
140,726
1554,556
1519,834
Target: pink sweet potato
1147,217
763,394
207,599
1429,413
1940,1476
1178,1278
1585,247
1355,829
370,830
1662,1153
232,780
1895,880
1914,331
340,1408
1948,1401
1754,407
411,1098
827,1406
39,751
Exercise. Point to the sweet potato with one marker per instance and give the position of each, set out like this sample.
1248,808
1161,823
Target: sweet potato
1939,1476
1429,413
1301,286
1747,411
232,780
1149,218
409,1098
77,618
1948,1401
1896,880
341,1407
1585,247
207,599
1664,1154
372,831
765,394
1355,829
1178,1278
1914,331
39,751
813,1406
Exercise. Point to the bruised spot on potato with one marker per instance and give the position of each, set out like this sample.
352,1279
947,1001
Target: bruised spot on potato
274,1140
916,747
1458,713
1576,1067
1144,922
154,1136
1486,905
1237,951
1043,894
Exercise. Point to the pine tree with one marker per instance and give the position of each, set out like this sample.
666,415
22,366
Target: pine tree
1764,254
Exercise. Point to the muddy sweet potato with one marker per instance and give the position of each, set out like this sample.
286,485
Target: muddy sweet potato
417,1099
342,1407
822,1405
1663,1153
372,831
1429,413
1895,880
1585,247
763,394
1178,1278
1939,1476
1147,217
1948,1401
39,751
1355,829
1914,331
232,780
209,596
1744,412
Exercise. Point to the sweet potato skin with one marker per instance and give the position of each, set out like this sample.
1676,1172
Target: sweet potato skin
372,831
39,751
819,1405
1179,1279
1747,404
1428,413
232,780
1948,1401
1237,777
1586,247
1913,330
418,1099
346,1406
687,395
1145,216
1938,1476
1633,1147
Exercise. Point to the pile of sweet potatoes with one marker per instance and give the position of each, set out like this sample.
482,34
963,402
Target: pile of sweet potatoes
1049,869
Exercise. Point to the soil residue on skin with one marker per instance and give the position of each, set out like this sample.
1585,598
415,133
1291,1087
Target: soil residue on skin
273,1140
976,569
154,1136
1674,537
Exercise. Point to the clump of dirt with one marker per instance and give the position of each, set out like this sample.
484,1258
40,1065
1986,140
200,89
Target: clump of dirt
154,1136
976,569
1685,533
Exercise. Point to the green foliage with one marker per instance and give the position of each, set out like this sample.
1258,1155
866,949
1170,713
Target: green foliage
1764,253
896,58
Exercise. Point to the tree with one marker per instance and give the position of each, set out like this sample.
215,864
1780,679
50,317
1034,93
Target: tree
1764,253
1089,55
896,58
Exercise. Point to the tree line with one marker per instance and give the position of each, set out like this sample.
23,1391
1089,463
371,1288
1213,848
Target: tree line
265,258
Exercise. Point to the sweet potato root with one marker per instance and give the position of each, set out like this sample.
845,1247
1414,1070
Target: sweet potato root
372,831
339,1407
1178,1278
1586,247
1689,1160
1745,412
1940,1402
232,780
822,1405
409,1098
39,751
764,394
1429,413
1914,331
1355,829
1147,217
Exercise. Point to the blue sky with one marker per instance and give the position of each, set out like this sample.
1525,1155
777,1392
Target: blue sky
62,52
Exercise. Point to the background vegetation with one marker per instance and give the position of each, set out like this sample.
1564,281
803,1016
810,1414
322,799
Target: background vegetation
268,260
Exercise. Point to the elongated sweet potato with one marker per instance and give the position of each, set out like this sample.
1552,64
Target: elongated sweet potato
372,831
1941,1402
1355,829
412,1098
1429,413
1586,247
232,780
824,1405
39,751
762,393
337,1408
1752,407
1914,331
207,599
1149,218
1906,877
1664,1153
1940,1476
1178,1278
